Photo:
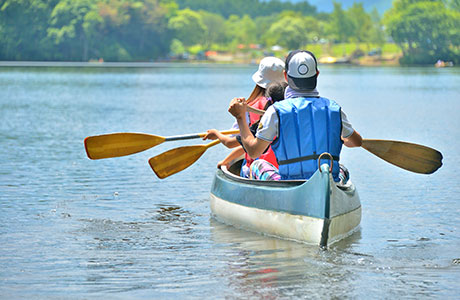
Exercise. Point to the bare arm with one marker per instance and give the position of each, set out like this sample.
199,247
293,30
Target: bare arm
254,146
354,140
237,152
228,141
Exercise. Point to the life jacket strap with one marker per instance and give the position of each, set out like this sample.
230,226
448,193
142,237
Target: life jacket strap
302,158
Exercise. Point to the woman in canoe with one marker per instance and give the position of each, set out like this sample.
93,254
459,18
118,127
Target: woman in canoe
270,71
299,128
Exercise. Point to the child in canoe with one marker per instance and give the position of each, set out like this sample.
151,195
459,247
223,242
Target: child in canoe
273,93
270,70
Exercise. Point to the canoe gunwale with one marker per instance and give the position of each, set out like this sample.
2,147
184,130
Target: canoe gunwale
273,183
348,189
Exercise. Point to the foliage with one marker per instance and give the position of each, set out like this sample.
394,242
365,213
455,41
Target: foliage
84,29
377,34
145,30
288,32
240,30
215,28
23,25
341,27
252,8
188,27
425,30
71,24
177,48
361,21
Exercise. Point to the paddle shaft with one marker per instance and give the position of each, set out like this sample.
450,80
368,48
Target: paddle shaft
196,135
213,143
255,110
177,159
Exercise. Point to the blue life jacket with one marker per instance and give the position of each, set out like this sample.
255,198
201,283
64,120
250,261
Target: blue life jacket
307,128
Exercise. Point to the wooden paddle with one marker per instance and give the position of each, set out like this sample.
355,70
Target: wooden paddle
255,110
409,156
177,159
121,144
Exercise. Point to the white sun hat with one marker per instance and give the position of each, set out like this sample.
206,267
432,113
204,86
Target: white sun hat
270,70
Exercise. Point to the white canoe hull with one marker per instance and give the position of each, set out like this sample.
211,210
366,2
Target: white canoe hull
283,225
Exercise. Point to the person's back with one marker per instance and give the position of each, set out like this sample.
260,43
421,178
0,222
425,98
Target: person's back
314,126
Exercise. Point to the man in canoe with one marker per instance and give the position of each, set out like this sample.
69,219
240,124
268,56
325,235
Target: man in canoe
300,128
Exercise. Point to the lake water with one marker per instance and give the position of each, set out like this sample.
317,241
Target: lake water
76,228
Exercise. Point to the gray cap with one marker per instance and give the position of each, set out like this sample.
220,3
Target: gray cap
302,70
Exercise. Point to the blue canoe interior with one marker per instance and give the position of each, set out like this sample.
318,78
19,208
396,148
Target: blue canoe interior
316,211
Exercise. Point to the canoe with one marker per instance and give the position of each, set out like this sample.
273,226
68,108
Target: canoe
314,211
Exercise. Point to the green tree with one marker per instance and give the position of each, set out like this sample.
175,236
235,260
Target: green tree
288,32
188,27
253,8
377,34
262,26
83,29
70,23
215,28
362,23
312,29
341,27
23,25
240,30
177,48
425,31
136,30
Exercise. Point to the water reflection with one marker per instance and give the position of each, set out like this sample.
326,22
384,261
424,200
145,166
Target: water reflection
268,267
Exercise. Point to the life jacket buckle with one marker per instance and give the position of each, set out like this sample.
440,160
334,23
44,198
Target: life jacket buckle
330,157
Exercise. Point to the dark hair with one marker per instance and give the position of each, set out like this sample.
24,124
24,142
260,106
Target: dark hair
275,92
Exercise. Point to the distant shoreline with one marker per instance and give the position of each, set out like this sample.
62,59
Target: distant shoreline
181,64
68,64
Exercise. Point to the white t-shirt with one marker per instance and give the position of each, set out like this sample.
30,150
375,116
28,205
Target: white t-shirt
268,126
235,124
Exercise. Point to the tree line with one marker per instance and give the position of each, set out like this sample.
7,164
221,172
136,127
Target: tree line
132,30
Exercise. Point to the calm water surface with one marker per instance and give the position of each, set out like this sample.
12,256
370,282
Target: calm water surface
79,229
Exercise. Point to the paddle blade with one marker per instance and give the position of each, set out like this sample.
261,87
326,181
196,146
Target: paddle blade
119,144
175,160
411,157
